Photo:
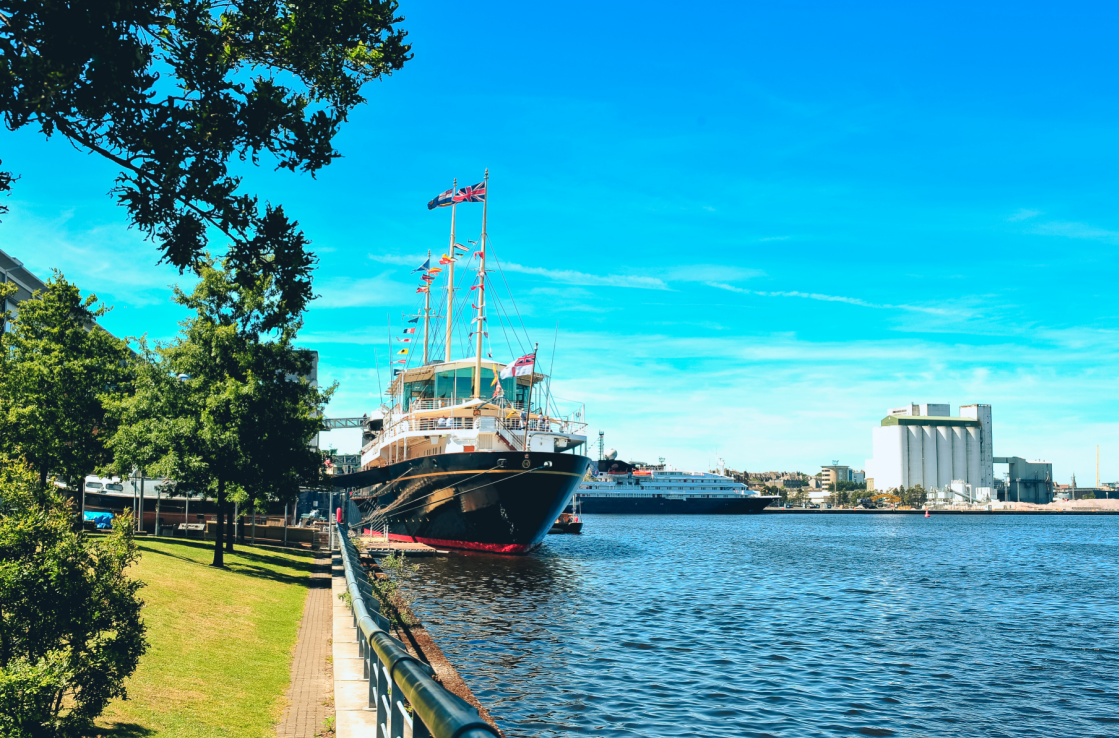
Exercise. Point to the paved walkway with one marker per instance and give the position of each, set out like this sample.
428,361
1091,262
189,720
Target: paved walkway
310,696
351,688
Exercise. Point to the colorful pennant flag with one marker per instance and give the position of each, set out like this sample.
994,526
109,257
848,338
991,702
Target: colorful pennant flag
415,319
434,270
460,246
422,267
478,254
398,361
421,289
427,278
409,330
401,351
444,259
404,340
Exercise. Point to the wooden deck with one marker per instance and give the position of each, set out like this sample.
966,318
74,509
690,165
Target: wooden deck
376,546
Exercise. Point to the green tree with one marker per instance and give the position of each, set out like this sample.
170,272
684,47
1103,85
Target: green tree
70,626
225,408
174,91
58,371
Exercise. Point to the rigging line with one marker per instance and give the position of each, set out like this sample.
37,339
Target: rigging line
502,324
458,317
502,273
551,365
398,513
417,503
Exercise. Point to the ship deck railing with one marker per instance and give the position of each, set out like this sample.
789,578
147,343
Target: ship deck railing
408,701
513,423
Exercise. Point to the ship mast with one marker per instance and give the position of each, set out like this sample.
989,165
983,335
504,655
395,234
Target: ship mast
427,310
481,295
451,276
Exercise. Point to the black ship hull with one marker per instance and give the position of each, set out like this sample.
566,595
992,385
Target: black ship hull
481,501
654,504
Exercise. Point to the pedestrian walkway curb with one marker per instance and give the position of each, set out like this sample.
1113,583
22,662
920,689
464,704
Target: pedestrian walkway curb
351,690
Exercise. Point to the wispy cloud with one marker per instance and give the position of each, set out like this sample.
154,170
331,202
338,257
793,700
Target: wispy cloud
378,291
707,273
1068,229
570,276
399,259
1024,214
834,298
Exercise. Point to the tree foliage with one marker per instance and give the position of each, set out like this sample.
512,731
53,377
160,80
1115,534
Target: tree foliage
58,371
225,408
70,626
175,91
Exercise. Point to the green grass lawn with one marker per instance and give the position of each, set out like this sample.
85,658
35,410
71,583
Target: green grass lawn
221,642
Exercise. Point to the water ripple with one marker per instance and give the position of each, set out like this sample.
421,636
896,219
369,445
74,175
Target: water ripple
791,625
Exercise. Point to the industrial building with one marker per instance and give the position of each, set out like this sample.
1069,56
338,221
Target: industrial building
923,444
1026,481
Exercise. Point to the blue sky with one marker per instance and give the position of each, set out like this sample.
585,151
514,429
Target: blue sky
757,225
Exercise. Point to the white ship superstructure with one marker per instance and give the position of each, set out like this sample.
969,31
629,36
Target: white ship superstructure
667,480
620,487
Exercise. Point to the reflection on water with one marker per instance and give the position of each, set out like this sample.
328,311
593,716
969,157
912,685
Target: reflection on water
791,625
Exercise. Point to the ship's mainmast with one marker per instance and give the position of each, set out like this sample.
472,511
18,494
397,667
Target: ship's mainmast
427,310
451,277
481,319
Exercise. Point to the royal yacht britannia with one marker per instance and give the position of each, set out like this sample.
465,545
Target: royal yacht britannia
468,453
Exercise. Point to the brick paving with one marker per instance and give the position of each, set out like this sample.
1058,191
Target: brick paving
311,693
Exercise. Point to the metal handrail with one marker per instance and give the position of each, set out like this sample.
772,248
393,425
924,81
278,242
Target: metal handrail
398,680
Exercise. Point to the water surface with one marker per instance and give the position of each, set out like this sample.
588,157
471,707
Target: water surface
790,625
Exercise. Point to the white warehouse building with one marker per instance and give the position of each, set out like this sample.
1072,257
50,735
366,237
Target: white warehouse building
923,444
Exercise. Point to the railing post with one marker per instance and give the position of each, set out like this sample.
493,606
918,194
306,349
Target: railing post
383,707
419,727
372,672
396,718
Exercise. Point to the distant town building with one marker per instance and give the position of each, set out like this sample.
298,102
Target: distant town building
834,473
923,444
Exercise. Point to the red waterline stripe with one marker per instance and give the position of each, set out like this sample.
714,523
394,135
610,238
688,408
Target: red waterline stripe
501,548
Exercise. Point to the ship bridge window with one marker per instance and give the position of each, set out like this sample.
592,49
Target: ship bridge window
115,487
458,384
93,485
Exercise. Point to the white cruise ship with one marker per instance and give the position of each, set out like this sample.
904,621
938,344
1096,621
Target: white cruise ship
634,488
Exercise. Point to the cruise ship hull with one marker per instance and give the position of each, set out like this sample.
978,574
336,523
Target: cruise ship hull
482,501
655,504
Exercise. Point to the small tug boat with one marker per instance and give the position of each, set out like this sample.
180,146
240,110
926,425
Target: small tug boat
568,522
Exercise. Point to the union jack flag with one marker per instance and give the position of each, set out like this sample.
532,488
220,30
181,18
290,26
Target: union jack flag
474,193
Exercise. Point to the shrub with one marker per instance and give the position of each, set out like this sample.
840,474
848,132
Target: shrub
70,626
395,602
